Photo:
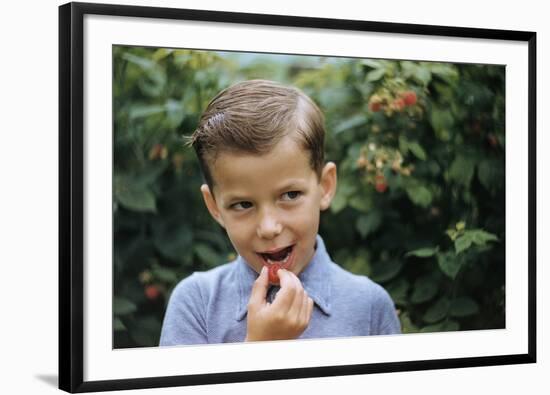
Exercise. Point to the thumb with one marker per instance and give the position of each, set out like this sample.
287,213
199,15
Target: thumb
259,289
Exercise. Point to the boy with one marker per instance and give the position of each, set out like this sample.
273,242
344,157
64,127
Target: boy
261,150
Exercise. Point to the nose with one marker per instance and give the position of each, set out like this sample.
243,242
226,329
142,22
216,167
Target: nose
269,225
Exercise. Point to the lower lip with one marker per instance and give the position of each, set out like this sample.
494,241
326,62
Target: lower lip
274,267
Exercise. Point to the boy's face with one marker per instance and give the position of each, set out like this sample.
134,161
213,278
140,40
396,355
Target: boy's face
270,204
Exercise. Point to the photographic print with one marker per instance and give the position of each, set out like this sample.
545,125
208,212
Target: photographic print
419,149
347,197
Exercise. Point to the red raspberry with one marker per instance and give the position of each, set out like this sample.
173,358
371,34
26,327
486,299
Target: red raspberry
273,276
381,187
158,151
361,162
409,97
493,142
380,183
399,104
155,152
152,292
375,106
375,103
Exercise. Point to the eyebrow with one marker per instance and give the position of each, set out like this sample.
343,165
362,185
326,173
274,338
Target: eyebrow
229,199
290,185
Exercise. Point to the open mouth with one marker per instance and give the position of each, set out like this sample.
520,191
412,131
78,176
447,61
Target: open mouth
279,257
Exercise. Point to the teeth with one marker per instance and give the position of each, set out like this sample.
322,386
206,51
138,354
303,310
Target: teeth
279,262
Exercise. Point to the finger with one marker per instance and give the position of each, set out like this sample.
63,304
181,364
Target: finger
259,288
285,296
300,307
304,310
299,297
309,308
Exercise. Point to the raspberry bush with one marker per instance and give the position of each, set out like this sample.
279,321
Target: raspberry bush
420,202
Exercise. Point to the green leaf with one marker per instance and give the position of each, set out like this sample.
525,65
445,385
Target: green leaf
118,325
161,54
359,263
350,123
151,173
386,270
423,75
481,237
491,174
438,311
398,290
137,200
423,252
419,72
419,195
425,288
449,264
134,196
339,202
362,203
345,190
463,307
144,110
165,274
417,150
122,306
367,224
375,74
146,331
174,112
442,121
143,63
445,326
407,325
433,167
463,242
462,170
441,118
207,255
172,237
403,145
372,63
444,70
485,174
453,234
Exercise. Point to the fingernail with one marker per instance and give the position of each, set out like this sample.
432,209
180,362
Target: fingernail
264,269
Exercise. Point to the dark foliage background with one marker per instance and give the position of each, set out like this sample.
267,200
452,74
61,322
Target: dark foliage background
420,202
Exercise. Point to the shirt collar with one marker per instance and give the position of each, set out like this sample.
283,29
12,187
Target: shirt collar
315,279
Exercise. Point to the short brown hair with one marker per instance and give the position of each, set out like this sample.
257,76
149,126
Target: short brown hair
252,117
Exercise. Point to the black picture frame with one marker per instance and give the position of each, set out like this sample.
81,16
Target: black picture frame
71,194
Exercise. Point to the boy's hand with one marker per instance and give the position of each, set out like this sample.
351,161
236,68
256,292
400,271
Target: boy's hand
287,317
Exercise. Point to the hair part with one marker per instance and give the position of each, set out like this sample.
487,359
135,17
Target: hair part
252,117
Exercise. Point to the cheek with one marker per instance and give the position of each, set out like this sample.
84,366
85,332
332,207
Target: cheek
308,218
238,230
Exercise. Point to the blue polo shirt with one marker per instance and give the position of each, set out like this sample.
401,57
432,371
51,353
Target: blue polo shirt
211,306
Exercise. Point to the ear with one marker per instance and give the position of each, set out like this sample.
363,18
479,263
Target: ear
211,205
328,184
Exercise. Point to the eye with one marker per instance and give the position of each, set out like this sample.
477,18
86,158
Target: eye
291,195
240,206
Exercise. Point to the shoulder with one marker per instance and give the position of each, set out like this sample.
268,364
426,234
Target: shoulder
361,287
377,302
356,282
200,284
